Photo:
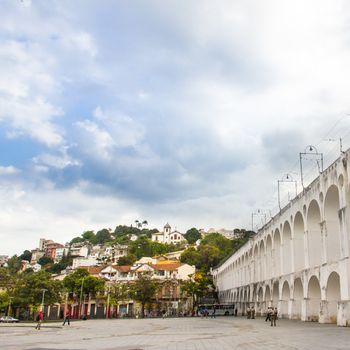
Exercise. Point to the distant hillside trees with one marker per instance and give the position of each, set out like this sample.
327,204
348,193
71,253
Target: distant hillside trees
192,235
213,249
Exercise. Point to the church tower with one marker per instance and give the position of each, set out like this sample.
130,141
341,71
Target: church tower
167,231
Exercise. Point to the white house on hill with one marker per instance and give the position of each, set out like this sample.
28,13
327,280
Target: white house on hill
168,236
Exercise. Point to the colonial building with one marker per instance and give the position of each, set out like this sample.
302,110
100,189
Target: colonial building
168,236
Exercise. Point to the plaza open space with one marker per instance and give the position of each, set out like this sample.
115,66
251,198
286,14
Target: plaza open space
178,333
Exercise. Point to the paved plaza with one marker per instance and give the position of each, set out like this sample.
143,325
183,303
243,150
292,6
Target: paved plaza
180,333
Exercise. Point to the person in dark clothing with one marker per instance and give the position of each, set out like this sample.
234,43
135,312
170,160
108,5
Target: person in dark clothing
268,314
252,313
213,314
236,312
39,319
274,315
66,319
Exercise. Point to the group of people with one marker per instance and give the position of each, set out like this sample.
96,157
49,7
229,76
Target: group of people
271,315
251,312
40,316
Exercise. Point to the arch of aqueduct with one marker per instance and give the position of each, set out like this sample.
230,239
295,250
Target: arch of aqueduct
299,261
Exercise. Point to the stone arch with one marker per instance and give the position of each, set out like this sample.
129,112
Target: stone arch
314,296
261,294
245,296
256,263
260,301
277,252
246,268
331,215
314,234
275,294
255,296
298,241
285,299
333,297
262,260
267,296
298,296
269,261
287,248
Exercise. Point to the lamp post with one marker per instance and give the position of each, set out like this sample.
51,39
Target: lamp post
85,311
43,299
9,306
81,295
108,300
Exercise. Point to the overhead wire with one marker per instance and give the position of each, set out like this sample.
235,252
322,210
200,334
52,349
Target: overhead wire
310,169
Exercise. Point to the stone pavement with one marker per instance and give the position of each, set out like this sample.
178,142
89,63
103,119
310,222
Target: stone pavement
176,334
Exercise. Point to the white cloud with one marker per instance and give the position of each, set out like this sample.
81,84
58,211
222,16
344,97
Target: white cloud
8,170
95,141
198,103
59,161
56,214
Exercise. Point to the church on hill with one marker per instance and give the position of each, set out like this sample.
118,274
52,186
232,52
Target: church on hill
168,236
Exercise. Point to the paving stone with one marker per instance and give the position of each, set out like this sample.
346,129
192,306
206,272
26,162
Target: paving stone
177,334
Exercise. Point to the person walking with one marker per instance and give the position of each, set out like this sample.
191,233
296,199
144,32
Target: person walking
66,319
213,314
236,312
252,311
248,313
268,314
274,315
39,319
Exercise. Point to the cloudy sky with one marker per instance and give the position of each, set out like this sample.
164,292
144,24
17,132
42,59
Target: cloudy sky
184,111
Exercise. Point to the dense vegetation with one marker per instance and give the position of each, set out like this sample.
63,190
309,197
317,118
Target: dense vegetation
213,249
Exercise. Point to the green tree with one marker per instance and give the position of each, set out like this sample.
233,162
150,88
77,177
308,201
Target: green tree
192,235
4,301
143,290
196,287
76,240
14,264
7,279
89,236
190,256
218,240
102,237
45,260
81,280
118,292
29,289
26,255
210,256
123,230
126,260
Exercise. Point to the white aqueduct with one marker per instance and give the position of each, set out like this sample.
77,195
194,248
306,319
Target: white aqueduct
299,261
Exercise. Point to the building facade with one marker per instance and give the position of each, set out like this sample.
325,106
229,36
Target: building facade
299,261
168,236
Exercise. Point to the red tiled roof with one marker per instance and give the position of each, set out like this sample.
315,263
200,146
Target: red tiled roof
124,268
93,270
168,267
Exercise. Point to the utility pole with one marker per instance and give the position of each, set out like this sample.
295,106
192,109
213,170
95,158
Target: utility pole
258,213
285,178
311,151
